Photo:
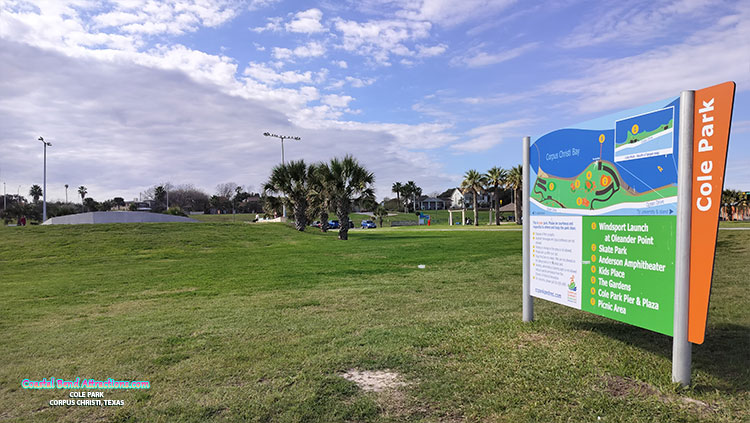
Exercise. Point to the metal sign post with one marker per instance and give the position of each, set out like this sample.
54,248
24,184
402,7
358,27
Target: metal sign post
528,301
681,347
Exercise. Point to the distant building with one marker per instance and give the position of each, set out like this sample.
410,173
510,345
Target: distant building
432,203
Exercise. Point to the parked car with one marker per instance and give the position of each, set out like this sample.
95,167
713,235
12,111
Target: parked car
333,224
368,224
316,224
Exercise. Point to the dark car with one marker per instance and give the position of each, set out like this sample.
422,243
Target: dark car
368,224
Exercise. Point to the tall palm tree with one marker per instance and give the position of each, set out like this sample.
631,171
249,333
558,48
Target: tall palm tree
397,187
320,194
496,178
380,213
474,182
35,192
350,183
82,191
515,182
411,190
292,179
66,193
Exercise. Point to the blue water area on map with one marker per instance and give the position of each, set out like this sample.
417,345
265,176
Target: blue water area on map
565,153
659,142
646,123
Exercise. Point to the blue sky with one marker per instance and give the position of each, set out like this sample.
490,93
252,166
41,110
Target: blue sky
133,93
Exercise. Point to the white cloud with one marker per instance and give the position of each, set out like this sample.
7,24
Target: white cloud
485,137
175,17
311,49
273,24
306,22
447,12
334,100
379,39
341,63
432,51
635,23
475,57
702,60
163,125
263,73
259,4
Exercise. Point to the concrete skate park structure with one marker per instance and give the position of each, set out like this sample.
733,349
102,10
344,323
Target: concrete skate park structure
115,217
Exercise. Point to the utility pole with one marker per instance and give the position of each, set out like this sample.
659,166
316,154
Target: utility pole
44,193
282,138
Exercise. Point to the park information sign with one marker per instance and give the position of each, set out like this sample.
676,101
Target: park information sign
602,216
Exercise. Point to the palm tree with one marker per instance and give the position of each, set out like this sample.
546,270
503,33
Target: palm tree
380,213
515,182
474,182
397,187
82,191
292,179
36,192
496,178
350,183
734,203
66,193
411,190
320,193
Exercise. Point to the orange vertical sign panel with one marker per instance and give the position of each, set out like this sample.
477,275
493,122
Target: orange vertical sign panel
711,119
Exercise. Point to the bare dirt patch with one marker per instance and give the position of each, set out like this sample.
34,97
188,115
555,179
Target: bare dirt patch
621,387
375,380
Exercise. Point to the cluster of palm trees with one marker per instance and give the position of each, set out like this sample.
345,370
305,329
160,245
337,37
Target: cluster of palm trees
310,191
495,179
36,191
735,204
405,193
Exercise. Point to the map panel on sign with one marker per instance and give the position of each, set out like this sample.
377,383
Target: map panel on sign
647,135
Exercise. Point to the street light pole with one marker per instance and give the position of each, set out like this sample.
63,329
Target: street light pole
282,138
44,193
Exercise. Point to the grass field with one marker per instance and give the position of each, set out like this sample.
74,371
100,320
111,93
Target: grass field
239,322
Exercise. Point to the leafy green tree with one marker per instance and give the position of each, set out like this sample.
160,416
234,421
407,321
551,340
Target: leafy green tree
734,203
515,183
496,178
292,180
118,202
160,199
350,183
474,182
91,204
35,192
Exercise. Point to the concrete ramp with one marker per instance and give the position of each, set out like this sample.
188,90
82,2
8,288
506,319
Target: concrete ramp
115,217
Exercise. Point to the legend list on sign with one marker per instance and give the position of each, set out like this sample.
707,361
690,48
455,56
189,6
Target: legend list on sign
629,264
556,259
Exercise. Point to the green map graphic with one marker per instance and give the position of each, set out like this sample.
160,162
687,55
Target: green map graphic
598,186
641,135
